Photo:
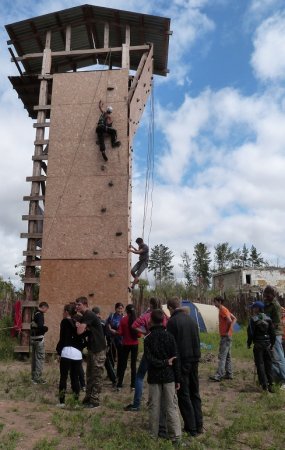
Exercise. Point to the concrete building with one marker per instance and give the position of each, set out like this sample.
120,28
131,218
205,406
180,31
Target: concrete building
247,278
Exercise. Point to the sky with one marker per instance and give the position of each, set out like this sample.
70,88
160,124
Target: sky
219,130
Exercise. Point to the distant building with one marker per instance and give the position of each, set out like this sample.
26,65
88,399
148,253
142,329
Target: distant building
250,279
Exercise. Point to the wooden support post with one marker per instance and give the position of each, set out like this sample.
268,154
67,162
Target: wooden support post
126,50
68,38
106,35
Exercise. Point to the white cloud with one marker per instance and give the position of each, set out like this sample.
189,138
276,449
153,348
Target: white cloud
268,58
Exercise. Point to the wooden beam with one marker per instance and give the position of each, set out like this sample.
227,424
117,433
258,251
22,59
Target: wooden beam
34,263
31,235
29,304
37,178
41,125
41,107
106,35
40,157
32,253
32,217
68,38
31,280
41,142
28,198
83,52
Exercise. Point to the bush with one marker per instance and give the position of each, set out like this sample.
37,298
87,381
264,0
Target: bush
7,343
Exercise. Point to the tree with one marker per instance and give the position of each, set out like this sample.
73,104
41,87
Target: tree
186,267
201,265
223,256
160,263
255,258
244,255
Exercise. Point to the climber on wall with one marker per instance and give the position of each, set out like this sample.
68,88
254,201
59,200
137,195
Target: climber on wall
105,126
142,263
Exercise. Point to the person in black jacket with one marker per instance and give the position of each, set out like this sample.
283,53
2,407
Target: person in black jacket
186,334
261,333
163,377
37,340
69,350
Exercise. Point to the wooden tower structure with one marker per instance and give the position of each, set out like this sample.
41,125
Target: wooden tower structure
79,215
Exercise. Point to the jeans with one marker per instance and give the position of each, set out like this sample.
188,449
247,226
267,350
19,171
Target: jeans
38,358
225,362
278,362
142,370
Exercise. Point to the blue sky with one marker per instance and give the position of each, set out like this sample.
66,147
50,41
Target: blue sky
219,129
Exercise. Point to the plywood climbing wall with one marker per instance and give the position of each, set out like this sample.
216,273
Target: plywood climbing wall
87,207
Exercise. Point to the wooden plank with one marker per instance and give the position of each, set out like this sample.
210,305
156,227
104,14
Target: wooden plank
39,157
31,235
31,280
28,198
41,125
68,38
41,107
22,349
106,35
29,304
34,263
82,52
32,253
41,142
37,178
32,217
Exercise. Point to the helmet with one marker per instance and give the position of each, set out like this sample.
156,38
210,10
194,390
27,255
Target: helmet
109,109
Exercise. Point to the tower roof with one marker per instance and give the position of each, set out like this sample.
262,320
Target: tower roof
87,24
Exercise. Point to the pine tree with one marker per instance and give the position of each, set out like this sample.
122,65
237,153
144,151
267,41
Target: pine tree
160,263
223,256
255,258
186,267
201,265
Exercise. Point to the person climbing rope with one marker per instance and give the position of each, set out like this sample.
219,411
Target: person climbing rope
105,126
142,263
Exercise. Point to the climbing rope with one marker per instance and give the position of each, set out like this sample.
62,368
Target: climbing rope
149,178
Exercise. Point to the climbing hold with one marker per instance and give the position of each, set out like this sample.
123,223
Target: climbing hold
110,88
111,184
103,210
103,167
119,233
95,253
112,274
91,294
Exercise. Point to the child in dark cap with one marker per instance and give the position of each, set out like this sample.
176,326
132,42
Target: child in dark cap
260,332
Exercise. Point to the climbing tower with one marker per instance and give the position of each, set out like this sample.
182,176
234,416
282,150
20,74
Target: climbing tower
79,214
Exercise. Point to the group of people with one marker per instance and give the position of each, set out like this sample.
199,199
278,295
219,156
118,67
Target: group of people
170,358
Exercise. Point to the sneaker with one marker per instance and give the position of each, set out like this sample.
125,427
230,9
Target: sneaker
92,405
118,388
228,377
39,381
86,400
282,387
60,405
270,389
132,408
116,144
215,378
83,389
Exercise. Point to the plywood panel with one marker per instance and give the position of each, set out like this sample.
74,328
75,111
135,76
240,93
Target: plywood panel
103,282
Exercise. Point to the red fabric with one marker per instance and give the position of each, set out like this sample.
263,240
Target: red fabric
17,318
143,321
124,331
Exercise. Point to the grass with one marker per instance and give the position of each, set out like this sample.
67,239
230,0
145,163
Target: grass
7,343
237,414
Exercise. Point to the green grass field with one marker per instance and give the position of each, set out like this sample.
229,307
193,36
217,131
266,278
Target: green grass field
237,414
